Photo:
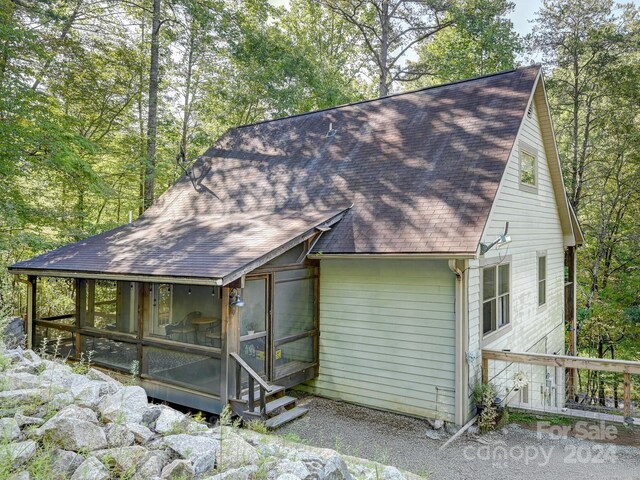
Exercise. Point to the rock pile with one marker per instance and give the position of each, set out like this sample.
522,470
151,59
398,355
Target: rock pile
89,426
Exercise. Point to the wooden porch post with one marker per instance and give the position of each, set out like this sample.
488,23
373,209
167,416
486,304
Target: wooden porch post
31,308
231,344
570,314
485,369
627,396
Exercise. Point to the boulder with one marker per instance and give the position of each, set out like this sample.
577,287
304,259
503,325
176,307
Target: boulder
24,396
201,451
91,469
17,453
23,420
124,459
110,385
435,424
235,452
288,476
77,412
125,406
64,463
12,332
335,469
73,434
24,475
61,400
151,414
391,473
243,473
9,429
178,470
171,421
21,380
150,467
286,466
118,435
140,433
87,394
433,434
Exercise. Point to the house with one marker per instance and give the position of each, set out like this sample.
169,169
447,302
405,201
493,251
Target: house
358,252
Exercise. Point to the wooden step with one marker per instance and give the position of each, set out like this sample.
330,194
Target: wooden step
256,396
286,417
273,405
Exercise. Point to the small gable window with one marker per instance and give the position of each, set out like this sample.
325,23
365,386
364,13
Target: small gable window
542,280
528,167
496,287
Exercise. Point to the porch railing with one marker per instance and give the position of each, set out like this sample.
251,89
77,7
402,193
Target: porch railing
579,386
253,379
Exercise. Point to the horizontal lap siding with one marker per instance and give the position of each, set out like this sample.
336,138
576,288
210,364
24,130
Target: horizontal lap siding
534,225
387,335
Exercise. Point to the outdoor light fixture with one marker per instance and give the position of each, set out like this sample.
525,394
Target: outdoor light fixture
236,299
498,242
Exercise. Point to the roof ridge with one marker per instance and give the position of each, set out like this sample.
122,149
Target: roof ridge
369,100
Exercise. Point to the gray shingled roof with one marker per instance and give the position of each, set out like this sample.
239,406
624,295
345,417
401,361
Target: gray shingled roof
421,170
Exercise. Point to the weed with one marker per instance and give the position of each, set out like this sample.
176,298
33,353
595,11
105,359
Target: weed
258,426
292,437
83,365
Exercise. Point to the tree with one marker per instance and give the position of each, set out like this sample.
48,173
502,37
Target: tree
389,29
481,40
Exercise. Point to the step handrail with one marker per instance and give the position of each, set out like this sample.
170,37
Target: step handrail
253,377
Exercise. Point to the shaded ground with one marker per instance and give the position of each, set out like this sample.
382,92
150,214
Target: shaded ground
518,452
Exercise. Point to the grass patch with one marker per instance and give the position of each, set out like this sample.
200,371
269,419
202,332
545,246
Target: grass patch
525,418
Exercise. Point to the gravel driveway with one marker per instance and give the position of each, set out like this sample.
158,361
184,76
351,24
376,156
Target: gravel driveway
515,453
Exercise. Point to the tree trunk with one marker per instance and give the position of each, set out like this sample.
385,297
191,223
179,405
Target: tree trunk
383,88
187,98
152,118
141,132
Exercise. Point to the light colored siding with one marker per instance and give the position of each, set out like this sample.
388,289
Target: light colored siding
534,225
387,335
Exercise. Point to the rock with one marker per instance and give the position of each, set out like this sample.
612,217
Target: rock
91,469
151,414
79,413
202,451
451,428
196,427
235,452
433,434
9,429
12,333
24,396
118,435
32,356
243,473
391,473
23,420
61,400
24,475
87,394
149,468
22,380
288,476
297,468
435,424
177,470
335,469
504,430
141,433
73,434
473,430
64,463
17,453
14,355
125,406
124,459
170,421
111,385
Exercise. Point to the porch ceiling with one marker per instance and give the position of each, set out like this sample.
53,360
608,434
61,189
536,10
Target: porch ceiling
218,248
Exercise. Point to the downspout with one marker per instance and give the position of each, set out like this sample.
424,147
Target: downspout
461,339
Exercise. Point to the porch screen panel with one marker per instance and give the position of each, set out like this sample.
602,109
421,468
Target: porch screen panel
294,356
196,372
54,341
109,305
293,304
110,353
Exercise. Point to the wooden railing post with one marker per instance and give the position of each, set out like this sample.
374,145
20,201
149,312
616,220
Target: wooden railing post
627,396
485,369
252,387
263,403
238,385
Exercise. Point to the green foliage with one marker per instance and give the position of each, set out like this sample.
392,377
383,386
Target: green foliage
484,396
480,41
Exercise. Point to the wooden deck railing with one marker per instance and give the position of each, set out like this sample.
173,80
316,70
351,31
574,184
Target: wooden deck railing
253,379
626,368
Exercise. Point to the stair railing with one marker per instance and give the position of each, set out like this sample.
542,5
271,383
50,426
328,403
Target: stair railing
253,378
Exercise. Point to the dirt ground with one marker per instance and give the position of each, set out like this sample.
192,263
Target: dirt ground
515,452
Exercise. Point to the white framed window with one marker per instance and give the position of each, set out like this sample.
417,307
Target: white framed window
496,295
542,279
528,167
